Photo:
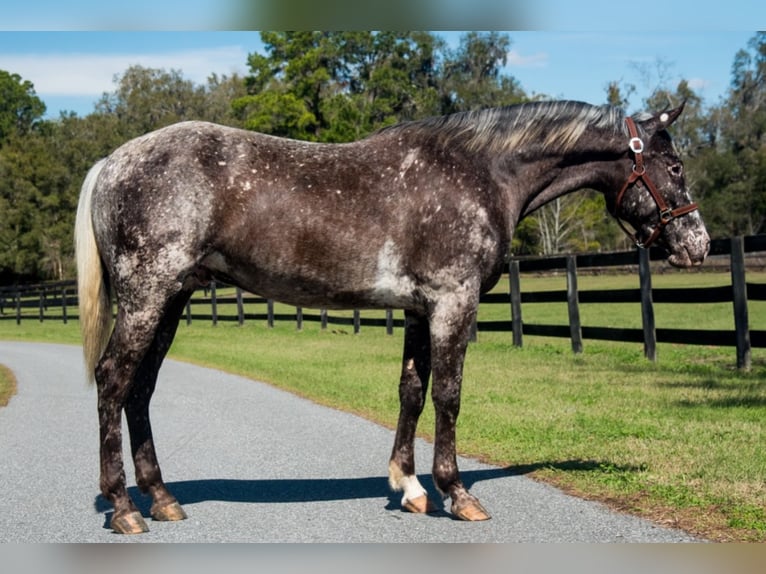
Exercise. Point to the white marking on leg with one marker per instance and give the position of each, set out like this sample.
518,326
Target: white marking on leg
408,483
412,488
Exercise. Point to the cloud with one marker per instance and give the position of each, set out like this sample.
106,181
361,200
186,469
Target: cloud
87,74
538,60
699,84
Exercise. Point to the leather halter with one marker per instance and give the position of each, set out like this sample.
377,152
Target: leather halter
639,174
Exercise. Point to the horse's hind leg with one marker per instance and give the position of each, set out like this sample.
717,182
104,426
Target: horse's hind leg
115,373
148,474
416,369
136,329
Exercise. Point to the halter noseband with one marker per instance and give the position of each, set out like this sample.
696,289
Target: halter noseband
639,173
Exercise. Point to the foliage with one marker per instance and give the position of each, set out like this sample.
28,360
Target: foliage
147,99
20,108
340,86
730,171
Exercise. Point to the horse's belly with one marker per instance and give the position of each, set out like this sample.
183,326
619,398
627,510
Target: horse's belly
350,286
303,292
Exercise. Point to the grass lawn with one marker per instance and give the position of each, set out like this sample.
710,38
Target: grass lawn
7,385
679,441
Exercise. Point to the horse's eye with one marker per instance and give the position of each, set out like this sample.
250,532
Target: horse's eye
676,170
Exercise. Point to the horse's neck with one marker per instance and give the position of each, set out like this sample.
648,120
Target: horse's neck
557,177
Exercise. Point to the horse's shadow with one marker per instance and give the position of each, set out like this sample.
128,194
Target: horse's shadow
323,489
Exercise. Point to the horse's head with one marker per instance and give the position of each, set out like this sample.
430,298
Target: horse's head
654,199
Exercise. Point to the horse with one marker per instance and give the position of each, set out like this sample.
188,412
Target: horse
418,216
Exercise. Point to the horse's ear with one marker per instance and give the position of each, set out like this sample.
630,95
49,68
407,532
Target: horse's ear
668,117
662,120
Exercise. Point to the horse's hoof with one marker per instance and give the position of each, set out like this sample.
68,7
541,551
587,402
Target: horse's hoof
420,505
130,523
472,511
170,512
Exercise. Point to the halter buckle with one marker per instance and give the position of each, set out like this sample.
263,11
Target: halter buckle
636,145
666,216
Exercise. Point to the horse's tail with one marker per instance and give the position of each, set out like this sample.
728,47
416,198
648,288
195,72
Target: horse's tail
92,282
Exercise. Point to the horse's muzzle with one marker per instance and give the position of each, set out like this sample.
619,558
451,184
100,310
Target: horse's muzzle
691,252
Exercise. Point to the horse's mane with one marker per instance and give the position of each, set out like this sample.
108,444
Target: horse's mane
552,124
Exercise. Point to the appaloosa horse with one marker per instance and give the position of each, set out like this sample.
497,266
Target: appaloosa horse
417,216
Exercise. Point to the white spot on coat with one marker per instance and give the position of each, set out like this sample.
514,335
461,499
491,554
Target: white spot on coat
391,282
409,159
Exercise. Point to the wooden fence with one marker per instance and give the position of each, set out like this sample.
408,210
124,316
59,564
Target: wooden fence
738,293
58,301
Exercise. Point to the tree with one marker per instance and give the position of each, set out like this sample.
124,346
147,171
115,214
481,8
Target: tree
731,170
339,86
219,94
20,108
618,94
150,98
472,75
35,219
20,113
577,222
285,86
747,96
387,77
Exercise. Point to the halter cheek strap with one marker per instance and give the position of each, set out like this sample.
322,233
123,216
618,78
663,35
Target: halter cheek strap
639,174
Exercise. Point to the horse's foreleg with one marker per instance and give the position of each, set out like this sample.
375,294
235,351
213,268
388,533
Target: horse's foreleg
451,322
416,369
148,474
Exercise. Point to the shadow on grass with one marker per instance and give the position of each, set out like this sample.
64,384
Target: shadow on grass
729,387
283,491
743,392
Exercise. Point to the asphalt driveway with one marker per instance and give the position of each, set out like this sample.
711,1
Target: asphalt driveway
251,463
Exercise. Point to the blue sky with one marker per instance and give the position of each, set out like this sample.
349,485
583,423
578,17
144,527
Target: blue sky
563,50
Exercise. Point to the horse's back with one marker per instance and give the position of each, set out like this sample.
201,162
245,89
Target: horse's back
333,224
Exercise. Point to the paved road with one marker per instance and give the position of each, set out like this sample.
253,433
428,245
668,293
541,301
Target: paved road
251,463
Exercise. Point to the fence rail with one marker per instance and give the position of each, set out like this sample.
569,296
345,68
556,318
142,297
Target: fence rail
58,301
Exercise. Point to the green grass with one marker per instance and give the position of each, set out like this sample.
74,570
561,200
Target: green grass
679,441
7,385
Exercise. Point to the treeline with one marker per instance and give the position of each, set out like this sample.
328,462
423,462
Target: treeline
340,86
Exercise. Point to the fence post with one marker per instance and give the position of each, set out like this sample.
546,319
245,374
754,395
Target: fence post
240,308
357,321
213,303
389,322
18,307
188,312
515,288
323,318
573,304
42,305
647,305
63,305
270,313
474,333
739,299
299,318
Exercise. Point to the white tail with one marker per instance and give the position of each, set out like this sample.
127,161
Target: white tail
92,286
